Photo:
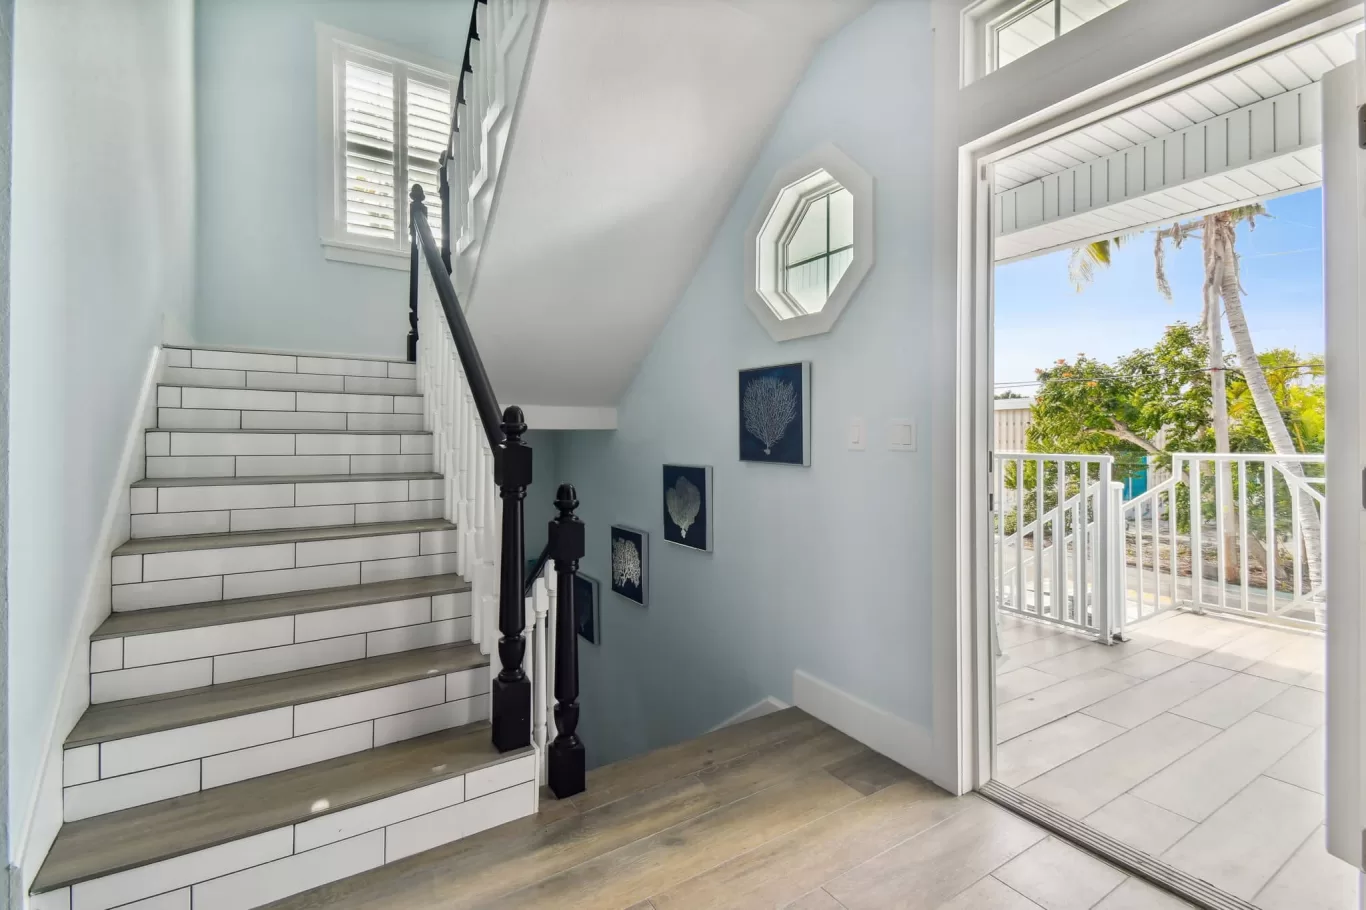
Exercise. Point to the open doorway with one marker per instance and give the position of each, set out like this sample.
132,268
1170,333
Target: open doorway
1159,482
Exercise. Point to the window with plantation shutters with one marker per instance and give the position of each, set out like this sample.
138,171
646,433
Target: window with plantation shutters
387,124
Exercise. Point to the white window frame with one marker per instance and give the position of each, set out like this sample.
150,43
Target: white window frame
334,48
794,188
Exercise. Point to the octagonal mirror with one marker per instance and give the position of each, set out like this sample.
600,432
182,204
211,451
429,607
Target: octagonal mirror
810,245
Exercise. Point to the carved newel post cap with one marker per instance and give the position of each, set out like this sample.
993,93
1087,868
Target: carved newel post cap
514,421
417,195
566,498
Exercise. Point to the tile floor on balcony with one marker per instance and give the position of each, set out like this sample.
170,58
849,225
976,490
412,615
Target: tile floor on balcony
1200,741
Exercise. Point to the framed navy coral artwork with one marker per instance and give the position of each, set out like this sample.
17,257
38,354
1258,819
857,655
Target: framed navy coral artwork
630,563
586,607
775,414
687,505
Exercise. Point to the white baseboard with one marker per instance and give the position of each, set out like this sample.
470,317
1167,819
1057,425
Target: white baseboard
566,417
44,816
758,709
904,742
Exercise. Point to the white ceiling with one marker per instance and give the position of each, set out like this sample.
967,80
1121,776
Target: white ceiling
1290,69
638,124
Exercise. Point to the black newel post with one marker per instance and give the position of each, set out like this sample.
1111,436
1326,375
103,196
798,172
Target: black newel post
512,688
415,258
566,759
445,214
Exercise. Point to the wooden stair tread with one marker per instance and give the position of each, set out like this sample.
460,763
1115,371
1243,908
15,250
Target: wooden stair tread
154,713
242,609
293,478
143,545
145,834
277,431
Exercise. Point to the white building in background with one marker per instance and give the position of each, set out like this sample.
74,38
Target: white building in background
1012,422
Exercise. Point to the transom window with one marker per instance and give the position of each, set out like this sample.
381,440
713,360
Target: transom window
1026,27
389,119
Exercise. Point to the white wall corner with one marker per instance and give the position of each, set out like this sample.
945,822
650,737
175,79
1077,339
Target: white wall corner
904,742
760,708
564,417
44,816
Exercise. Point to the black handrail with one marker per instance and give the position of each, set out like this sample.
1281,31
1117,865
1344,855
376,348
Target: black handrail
510,714
541,562
478,377
466,66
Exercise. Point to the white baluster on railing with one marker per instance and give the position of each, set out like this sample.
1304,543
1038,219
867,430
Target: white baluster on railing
540,604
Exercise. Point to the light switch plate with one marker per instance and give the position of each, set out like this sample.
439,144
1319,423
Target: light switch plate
858,434
901,434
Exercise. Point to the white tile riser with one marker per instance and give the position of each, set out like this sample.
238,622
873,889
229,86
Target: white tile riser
189,759
173,466
232,419
262,868
163,662
304,573
162,443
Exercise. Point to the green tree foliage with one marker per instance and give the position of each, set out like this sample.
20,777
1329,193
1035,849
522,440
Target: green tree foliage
1148,403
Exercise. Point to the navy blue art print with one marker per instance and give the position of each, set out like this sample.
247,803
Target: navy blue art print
586,607
630,563
775,414
687,506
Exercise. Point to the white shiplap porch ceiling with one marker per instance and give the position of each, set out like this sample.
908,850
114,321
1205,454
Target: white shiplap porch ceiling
1022,175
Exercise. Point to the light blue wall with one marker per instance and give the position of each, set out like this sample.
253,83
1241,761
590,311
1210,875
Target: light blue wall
824,569
263,281
540,499
102,256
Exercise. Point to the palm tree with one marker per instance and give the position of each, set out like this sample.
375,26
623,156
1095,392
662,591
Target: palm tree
1218,236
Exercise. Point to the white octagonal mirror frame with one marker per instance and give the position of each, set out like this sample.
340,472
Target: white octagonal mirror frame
792,188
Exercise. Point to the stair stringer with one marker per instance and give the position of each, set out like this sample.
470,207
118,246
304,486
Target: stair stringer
43,816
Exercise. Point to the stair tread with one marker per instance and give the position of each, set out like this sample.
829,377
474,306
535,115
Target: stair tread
142,545
154,713
278,431
288,478
312,355
145,834
192,385
242,609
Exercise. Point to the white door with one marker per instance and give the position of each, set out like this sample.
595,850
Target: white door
1344,197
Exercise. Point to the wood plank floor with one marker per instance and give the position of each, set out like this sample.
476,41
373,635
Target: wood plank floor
782,811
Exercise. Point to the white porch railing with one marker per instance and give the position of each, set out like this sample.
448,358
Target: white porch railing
1239,533
1053,529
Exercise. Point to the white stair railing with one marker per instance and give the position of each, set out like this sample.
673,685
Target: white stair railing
465,461
497,67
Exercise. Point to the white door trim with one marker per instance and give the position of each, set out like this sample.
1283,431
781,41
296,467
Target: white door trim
963,664
1344,278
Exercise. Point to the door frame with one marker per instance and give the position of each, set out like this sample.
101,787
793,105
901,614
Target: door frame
974,127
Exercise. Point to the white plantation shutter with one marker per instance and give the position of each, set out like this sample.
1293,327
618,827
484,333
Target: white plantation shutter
428,123
370,117
391,124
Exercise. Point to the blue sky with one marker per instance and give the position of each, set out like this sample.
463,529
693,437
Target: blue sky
1041,318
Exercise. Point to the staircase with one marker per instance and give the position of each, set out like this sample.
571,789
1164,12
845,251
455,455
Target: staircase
286,693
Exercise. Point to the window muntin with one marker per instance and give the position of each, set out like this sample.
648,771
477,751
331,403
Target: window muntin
1025,27
820,249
